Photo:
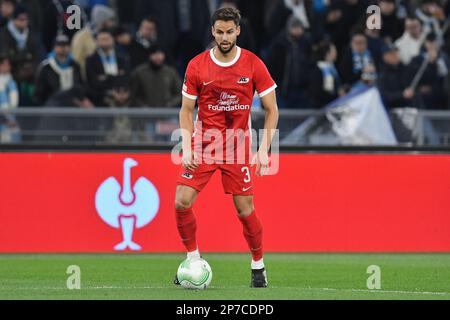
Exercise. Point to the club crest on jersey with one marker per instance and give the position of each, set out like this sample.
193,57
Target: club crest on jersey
244,80
187,175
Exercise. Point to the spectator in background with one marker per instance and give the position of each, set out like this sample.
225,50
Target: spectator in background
155,84
20,45
375,44
103,67
57,73
54,22
123,39
394,81
35,14
324,80
289,62
411,41
431,15
6,12
168,23
430,92
320,8
145,38
392,25
300,9
123,129
120,96
356,60
340,19
83,43
9,99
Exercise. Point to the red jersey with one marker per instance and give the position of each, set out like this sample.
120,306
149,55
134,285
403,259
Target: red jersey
224,93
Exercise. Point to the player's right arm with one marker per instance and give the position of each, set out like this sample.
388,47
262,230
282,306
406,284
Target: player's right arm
187,129
190,94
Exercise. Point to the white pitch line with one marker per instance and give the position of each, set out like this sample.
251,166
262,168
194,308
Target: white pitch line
273,287
369,291
89,288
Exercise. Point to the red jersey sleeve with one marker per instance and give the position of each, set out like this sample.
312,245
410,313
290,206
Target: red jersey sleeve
190,85
262,80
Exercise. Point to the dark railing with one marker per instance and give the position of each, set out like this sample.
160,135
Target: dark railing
153,127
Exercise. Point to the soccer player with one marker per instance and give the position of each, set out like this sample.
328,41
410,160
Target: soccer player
223,82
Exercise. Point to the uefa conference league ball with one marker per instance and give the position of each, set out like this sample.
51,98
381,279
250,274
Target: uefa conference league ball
194,274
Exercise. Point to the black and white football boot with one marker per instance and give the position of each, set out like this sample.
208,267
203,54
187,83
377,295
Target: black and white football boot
259,279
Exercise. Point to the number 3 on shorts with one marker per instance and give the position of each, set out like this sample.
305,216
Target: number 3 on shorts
247,178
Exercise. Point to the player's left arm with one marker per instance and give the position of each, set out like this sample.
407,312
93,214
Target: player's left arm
269,103
265,86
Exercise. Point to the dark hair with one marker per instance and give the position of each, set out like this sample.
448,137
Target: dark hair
357,32
121,82
3,58
105,30
119,30
150,19
227,14
413,17
431,37
321,50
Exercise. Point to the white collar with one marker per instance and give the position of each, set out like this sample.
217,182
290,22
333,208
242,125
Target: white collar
225,64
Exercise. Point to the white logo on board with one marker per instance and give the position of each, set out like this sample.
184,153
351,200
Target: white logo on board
127,207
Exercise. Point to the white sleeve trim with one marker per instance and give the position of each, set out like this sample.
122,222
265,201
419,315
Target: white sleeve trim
265,93
189,96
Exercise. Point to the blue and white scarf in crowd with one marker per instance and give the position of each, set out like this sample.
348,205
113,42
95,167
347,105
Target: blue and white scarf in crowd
329,74
431,24
9,99
109,63
9,95
298,11
361,60
20,37
63,69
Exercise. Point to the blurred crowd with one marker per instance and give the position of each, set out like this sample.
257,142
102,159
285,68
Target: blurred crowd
133,53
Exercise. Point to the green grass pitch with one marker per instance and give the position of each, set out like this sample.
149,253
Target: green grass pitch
291,276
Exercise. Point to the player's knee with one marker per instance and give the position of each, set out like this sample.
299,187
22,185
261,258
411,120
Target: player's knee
182,204
244,211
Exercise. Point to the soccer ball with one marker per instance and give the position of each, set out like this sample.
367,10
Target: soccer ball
194,274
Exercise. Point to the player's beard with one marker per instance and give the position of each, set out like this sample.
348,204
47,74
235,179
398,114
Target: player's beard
227,51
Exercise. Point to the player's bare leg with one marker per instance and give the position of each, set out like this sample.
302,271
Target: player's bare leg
253,234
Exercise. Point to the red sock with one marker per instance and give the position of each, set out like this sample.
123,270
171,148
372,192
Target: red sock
187,227
253,234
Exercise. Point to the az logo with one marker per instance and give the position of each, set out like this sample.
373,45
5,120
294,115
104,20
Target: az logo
243,80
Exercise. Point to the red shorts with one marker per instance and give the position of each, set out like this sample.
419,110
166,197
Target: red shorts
237,179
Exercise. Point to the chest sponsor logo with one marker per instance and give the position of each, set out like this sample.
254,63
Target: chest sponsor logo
228,102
